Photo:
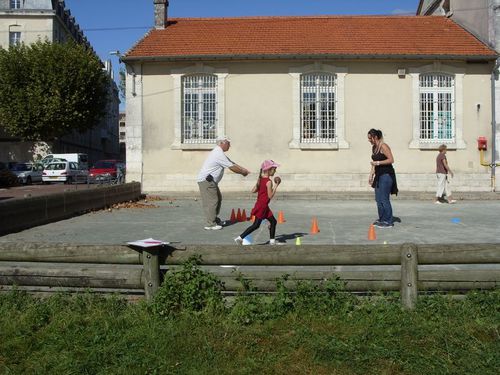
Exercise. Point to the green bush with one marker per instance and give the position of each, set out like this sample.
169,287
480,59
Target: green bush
292,296
188,289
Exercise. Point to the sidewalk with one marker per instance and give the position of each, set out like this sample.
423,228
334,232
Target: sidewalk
340,221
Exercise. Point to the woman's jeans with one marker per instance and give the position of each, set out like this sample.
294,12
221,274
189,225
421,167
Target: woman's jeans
382,196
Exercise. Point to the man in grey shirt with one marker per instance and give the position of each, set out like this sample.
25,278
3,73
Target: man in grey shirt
209,177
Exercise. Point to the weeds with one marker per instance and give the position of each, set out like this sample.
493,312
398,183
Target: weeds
302,328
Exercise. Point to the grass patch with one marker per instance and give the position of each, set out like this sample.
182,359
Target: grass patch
318,330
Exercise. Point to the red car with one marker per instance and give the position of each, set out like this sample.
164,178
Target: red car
108,170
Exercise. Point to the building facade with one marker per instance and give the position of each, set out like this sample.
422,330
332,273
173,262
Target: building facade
27,21
304,91
482,19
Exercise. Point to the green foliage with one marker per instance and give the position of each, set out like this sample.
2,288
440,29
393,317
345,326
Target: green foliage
89,334
8,179
122,83
48,90
188,289
292,296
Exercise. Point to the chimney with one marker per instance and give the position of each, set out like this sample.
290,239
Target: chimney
161,8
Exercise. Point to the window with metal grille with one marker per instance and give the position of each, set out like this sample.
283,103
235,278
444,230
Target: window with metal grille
15,4
437,107
14,38
199,108
318,106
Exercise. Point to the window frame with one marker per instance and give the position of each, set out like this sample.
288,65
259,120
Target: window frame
321,115
178,103
199,106
439,69
15,4
339,142
16,40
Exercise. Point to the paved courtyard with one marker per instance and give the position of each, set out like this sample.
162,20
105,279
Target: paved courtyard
180,221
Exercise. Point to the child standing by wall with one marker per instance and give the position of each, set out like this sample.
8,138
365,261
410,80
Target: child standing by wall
442,170
265,192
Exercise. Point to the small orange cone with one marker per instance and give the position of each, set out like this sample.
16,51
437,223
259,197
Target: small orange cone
238,215
233,216
244,215
252,218
281,217
372,236
314,226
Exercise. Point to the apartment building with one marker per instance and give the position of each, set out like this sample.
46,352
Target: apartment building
27,21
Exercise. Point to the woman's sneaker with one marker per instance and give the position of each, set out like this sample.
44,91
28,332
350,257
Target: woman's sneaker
238,240
383,225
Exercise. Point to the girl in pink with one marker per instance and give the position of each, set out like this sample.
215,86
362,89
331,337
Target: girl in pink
265,190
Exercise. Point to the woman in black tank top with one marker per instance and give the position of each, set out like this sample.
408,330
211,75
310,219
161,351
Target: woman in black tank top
382,178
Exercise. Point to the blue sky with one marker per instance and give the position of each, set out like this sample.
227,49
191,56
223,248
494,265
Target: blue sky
117,24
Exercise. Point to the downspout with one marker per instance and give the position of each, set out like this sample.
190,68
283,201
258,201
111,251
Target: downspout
493,126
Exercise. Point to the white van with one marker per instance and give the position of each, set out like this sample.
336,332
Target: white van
81,159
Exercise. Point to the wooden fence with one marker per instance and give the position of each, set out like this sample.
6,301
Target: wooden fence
407,268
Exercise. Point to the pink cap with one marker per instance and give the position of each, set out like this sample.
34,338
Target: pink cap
268,164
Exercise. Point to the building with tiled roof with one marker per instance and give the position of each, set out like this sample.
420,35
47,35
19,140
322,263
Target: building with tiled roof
482,19
305,91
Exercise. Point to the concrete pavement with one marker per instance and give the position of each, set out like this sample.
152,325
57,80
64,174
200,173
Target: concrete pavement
340,221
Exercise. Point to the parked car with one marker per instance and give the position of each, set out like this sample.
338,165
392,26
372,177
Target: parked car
47,160
65,171
28,173
108,171
7,178
81,159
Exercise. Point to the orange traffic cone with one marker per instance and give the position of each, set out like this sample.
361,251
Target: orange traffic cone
281,217
238,215
372,236
244,215
314,226
252,218
233,216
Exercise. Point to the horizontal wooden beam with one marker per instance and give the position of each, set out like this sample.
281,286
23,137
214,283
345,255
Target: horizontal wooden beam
69,253
71,275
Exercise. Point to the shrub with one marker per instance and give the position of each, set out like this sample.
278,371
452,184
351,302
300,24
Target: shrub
188,289
292,296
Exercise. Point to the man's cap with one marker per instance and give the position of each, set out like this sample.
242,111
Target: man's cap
222,138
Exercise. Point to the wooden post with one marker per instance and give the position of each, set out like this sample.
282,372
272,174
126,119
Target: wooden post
409,275
151,264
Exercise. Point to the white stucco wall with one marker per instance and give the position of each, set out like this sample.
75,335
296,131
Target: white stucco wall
259,117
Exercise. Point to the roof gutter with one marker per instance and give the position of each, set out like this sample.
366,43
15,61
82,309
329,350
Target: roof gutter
310,56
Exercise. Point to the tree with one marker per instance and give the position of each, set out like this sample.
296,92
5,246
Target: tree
48,90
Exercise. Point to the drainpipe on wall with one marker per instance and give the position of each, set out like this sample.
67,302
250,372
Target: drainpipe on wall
495,35
493,165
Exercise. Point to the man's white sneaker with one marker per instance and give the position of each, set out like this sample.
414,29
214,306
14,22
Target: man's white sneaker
214,227
437,202
274,242
238,240
452,201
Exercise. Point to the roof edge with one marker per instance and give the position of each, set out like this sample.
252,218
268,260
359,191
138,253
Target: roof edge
309,56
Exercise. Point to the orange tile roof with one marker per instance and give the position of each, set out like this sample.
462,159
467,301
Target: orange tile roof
313,36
